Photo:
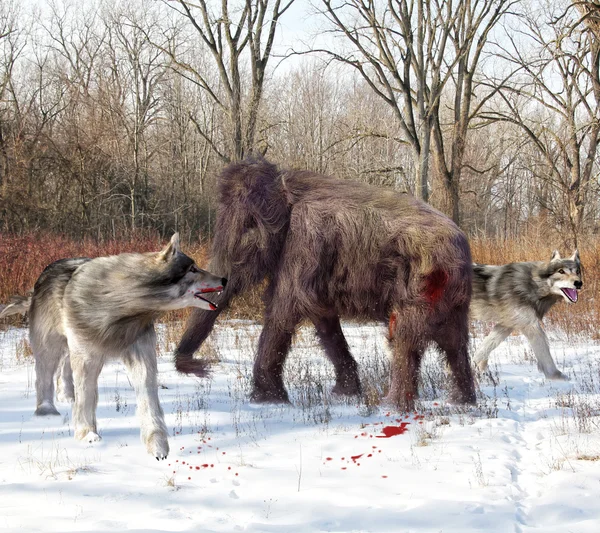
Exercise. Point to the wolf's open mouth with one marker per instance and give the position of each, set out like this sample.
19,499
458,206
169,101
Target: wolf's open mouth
212,305
571,294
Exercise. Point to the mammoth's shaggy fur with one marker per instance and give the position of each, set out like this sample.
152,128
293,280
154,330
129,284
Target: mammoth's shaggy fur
332,248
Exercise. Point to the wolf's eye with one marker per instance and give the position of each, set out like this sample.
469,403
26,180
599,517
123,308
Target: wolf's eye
194,269
561,271
578,272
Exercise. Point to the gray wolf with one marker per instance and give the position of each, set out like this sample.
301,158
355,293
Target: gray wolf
330,249
94,309
517,296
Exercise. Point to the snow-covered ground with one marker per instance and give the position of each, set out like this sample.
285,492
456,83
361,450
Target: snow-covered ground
526,458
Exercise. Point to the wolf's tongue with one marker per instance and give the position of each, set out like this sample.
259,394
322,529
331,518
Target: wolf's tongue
571,294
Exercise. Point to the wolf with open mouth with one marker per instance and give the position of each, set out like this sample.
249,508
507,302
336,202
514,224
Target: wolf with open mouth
84,311
517,296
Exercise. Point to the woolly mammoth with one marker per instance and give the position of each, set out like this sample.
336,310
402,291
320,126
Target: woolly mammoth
332,249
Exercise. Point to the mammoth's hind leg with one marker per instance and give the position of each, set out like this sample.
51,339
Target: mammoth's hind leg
337,351
48,354
273,346
407,352
452,336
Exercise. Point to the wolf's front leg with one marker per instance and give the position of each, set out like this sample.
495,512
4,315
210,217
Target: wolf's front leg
86,368
539,344
141,365
489,344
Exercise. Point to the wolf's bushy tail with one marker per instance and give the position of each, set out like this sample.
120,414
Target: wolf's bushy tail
19,305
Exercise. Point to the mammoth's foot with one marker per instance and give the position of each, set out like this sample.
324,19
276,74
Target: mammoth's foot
188,365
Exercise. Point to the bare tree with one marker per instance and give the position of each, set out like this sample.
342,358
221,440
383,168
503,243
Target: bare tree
231,35
12,43
556,101
410,52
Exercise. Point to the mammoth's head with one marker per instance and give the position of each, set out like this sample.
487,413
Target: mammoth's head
252,221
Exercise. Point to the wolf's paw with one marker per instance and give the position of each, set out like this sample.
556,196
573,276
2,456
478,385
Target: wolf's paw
157,445
46,408
87,435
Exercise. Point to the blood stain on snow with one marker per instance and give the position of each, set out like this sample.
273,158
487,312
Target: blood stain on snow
392,431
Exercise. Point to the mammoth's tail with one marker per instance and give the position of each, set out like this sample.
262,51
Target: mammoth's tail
19,305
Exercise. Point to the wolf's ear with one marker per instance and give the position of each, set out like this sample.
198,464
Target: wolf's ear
575,257
555,256
170,249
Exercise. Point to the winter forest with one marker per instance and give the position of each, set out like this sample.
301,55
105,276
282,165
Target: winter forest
116,117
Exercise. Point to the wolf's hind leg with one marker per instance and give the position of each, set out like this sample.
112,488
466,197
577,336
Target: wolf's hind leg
86,369
337,351
65,391
539,344
489,344
47,358
142,369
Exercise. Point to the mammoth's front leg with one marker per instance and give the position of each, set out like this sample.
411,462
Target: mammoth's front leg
273,346
337,351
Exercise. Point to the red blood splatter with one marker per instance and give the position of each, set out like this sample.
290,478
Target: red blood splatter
383,476
223,452
435,404
343,468
228,468
343,458
236,473
328,458
391,431
355,457
197,468
205,465
189,478
370,455
435,284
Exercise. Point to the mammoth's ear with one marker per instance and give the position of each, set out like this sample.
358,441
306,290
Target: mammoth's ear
575,257
555,256
170,249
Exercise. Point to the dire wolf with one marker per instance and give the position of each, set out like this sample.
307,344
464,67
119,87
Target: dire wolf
329,249
94,309
517,296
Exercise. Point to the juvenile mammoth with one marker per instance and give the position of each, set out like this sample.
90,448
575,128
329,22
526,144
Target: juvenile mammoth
332,249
